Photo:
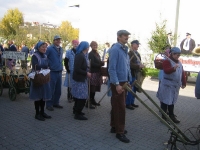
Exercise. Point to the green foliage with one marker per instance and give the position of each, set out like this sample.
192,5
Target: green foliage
152,72
68,33
157,42
10,23
12,28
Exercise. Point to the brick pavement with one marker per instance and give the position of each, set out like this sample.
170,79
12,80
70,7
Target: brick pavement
20,131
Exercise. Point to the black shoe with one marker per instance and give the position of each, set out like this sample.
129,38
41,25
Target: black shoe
57,106
93,102
81,113
122,138
39,117
50,108
134,105
173,118
129,107
112,130
46,116
80,117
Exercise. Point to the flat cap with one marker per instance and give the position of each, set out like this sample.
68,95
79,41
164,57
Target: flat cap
56,37
135,42
122,32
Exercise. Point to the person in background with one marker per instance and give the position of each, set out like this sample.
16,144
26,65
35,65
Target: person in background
119,73
105,59
197,87
95,69
135,66
10,63
80,80
69,66
169,39
1,53
105,51
54,54
32,50
173,78
187,45
24,49
42,93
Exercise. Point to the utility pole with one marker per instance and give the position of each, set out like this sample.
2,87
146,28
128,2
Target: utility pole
176,22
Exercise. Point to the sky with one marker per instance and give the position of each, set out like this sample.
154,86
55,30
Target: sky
100,19
43,11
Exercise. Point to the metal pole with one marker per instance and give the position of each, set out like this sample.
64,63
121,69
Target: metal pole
176,22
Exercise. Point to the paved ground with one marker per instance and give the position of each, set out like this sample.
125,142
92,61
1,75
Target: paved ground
20,131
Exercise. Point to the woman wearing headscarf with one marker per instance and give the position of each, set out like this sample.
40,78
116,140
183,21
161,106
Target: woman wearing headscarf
173,79
69,66
80,83
95,69
40,94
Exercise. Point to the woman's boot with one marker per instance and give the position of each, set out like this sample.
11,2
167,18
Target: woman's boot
171,114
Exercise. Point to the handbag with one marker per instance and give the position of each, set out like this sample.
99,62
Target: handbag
40,79
158,63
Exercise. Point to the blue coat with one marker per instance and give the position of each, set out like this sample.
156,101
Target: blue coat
197,87
55,58
70,55
119,64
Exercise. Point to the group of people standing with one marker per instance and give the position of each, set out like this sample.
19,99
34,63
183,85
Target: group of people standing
83,76
83,79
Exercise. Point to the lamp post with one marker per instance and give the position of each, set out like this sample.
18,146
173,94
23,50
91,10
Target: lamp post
176,22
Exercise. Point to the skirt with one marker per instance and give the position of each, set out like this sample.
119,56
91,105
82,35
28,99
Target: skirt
79,90
95,82
41,92
68,80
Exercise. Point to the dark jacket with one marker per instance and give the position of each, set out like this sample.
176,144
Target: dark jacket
12,48
25,50
134,64
191,44
95,61
80,68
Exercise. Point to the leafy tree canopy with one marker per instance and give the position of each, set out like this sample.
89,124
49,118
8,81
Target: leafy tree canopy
158,40
11,21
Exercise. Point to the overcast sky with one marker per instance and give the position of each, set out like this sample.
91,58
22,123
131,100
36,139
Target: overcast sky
43,11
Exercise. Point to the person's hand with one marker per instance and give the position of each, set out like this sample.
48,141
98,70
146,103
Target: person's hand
176,66
88,75
119,89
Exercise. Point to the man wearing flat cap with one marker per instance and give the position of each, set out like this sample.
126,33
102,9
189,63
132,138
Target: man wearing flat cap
136,66
187,45
54,54
119,73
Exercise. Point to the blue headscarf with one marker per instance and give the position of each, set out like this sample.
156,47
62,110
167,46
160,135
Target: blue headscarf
175,50
37,46
82,46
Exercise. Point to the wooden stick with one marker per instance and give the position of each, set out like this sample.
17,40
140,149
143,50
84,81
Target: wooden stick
104,95
178,133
